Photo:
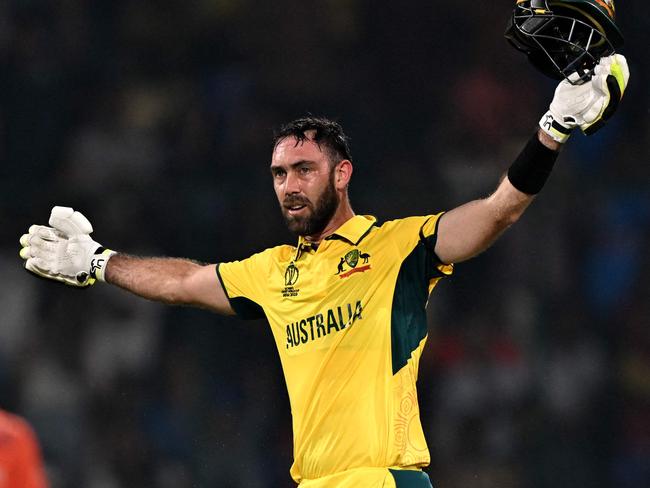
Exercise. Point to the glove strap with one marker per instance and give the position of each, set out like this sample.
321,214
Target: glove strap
553,128
99,262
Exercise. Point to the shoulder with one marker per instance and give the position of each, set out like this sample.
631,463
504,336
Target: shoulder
403,223
414,224
267,257
283,252
407,233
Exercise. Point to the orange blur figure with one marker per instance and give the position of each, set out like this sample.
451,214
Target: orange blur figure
21,465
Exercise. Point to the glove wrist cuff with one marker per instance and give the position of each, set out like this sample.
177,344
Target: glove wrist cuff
99,262
558,132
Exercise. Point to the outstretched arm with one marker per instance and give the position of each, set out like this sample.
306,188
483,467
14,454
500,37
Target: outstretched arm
471,228
169,280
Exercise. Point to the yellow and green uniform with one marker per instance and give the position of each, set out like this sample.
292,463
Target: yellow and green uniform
349,322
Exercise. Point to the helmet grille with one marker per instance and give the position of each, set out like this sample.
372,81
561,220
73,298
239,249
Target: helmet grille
561,41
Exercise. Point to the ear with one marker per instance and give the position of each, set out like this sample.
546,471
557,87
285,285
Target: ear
342,174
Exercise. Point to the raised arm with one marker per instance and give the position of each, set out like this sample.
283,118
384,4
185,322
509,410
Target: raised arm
65,252
470,229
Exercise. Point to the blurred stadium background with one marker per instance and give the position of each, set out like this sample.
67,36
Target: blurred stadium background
155,118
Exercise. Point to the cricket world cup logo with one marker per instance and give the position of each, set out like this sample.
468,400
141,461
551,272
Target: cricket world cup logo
291,275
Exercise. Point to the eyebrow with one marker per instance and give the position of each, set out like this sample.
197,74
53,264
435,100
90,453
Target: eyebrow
294,164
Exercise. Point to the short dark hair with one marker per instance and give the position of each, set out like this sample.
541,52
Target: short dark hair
327,134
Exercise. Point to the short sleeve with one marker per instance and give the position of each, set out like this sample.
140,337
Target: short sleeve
243,281
429,237
415,240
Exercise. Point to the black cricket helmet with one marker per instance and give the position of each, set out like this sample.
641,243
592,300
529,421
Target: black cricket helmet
562,37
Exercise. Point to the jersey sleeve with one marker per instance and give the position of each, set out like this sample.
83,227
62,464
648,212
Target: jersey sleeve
418,236
243,282
428,235
420,270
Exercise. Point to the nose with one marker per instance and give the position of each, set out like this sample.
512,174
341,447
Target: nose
291,183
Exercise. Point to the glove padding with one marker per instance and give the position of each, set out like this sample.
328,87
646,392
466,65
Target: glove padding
65,251
589,105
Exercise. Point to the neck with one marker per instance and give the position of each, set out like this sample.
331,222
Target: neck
343,213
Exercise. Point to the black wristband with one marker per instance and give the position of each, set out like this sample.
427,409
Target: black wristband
532,167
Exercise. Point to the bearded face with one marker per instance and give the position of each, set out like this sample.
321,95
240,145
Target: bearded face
304,217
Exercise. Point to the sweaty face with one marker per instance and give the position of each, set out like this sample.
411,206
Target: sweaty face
303,179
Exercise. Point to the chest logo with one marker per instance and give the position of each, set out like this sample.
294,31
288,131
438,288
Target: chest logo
291,275
352,259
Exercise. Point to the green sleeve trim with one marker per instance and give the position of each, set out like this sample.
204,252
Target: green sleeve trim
247,309
430,243
410,479
223,285
408,311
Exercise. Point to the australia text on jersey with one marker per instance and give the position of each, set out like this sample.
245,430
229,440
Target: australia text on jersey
321,324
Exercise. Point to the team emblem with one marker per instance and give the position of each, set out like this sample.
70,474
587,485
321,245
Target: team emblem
351,258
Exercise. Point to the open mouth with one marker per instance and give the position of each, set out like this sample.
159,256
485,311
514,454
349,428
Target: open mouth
295,209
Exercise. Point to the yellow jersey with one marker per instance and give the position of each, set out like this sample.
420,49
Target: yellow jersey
349,321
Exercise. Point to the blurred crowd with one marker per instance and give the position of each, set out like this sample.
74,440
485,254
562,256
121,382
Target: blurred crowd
155,120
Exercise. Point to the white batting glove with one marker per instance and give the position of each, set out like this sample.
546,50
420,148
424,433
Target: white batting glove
65,251
589,105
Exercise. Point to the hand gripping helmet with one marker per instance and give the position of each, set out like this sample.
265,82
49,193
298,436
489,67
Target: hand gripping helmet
562,37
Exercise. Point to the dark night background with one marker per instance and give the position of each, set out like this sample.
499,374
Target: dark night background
155,120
